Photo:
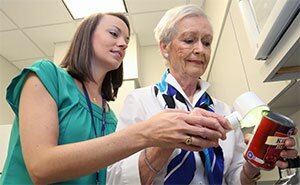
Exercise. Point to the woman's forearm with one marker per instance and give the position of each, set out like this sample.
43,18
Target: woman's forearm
151,161
64,162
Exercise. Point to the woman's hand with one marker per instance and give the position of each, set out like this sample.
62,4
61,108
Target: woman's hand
249,172
170,128
289,152
212,121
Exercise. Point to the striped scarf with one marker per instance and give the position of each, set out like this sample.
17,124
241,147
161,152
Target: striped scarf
182,167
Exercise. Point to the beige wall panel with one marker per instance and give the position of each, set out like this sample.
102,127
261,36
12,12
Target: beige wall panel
227,77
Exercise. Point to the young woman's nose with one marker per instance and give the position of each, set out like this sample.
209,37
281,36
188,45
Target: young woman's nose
122,43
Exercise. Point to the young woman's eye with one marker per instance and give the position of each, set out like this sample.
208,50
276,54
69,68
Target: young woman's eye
113,33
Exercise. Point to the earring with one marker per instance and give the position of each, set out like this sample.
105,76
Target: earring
166,55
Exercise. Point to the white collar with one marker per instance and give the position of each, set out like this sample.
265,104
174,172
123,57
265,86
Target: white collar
203,84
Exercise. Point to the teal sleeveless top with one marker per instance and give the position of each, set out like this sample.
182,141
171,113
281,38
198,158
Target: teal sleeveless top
75,124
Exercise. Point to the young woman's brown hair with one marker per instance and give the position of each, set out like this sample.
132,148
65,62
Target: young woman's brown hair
77,61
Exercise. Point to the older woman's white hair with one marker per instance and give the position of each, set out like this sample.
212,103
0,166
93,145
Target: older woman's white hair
165,29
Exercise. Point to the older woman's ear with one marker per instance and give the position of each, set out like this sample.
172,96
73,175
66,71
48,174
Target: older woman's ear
164,49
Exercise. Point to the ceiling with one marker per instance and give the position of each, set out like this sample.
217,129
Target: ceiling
30,29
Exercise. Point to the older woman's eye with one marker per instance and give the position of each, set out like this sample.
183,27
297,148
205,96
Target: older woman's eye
189,41
206,44
206,41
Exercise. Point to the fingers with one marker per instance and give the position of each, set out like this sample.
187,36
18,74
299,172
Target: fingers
290,142
222,120
295,131
210,127
175,126
282,164
204,143
209,134
211,124
176,111
190,147
198,140
198,144
247,138
289,153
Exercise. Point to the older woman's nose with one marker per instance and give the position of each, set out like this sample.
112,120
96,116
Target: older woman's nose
199,48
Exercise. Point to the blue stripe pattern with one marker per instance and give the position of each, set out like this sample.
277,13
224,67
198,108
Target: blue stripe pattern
181,169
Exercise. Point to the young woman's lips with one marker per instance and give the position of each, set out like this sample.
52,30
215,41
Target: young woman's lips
118,54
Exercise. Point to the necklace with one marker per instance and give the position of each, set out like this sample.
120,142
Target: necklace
96,99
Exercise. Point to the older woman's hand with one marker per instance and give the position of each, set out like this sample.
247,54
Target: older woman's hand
210,128
289,152
212,121
172,127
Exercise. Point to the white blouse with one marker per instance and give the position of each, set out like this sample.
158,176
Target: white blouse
142,104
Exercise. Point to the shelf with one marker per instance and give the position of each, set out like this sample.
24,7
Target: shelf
284,62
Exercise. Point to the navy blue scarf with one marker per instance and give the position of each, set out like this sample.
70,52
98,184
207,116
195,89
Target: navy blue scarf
181,169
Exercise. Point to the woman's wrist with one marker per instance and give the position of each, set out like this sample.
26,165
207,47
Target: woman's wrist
147,162
151,162
139,135
156,157
251,173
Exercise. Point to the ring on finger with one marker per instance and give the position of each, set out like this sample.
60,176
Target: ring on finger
188,140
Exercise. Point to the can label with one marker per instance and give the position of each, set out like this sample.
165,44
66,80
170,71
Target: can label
268,141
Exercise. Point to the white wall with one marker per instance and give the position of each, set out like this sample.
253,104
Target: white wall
4,139
151,65
127,87
60,50
130,61
227,77
7,72
217,16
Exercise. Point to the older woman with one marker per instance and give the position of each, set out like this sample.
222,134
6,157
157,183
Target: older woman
185,36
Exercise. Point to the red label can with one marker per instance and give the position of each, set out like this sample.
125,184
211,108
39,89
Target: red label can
268,141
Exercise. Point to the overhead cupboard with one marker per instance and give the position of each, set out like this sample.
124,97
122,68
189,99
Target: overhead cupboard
234,67
273,28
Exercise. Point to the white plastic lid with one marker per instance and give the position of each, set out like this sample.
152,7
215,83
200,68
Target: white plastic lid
246,102
234,119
